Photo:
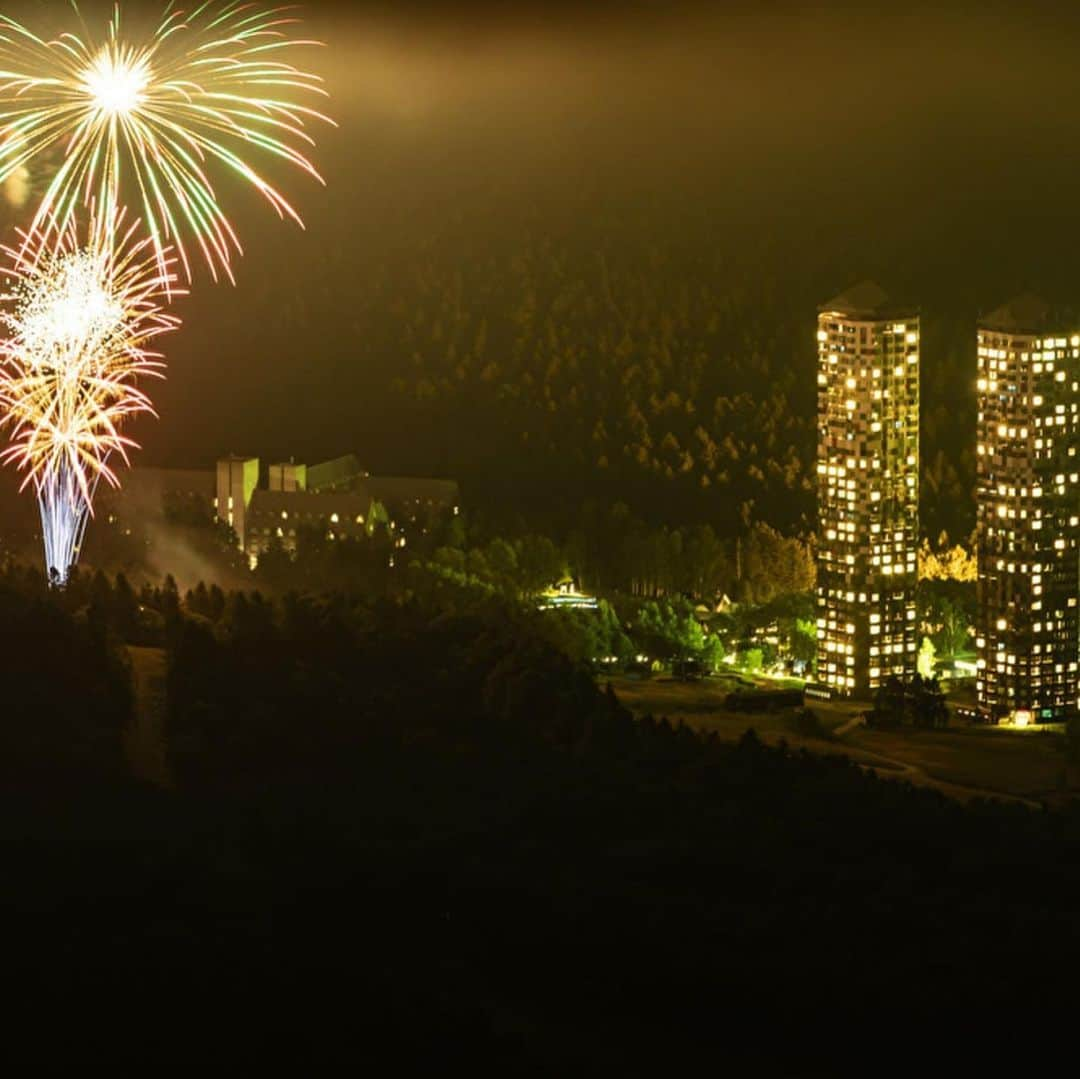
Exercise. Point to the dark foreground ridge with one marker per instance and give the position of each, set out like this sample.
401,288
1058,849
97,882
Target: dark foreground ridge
427,833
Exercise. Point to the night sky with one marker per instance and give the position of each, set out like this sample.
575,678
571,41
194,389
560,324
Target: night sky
936,151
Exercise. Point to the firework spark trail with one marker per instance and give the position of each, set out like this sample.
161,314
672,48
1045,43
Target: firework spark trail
204,90
81,317
205,95
64,512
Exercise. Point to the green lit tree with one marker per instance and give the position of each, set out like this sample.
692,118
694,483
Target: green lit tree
924,662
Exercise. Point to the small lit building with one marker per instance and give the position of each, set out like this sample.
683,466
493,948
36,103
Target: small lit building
868,489
565,593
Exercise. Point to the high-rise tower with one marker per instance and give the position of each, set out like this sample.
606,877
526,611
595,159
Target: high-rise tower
1027,512
868,489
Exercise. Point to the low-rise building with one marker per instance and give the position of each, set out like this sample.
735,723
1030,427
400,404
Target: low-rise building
338,498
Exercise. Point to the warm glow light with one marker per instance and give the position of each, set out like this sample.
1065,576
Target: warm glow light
202,97
79,317
115,83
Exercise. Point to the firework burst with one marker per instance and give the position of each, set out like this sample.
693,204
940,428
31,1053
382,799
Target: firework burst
155,115
81,315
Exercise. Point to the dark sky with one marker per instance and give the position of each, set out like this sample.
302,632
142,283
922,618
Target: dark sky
913,146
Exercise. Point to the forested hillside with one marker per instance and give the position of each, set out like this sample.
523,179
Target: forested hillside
668,373
639,375
426,831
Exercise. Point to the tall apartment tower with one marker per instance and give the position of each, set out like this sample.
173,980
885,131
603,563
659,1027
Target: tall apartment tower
868,490
1027,512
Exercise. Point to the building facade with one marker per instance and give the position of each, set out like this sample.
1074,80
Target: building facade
336,498
237,478
868,490
1027,513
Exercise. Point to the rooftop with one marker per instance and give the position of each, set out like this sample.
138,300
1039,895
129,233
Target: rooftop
339,472
1026,313
867,300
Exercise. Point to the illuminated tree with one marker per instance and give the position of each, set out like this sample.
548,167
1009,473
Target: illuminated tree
924,663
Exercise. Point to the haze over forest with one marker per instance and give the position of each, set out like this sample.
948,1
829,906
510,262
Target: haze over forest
550,243
599,759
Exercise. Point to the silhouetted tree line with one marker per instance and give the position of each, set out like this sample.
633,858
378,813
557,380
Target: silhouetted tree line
611,551
66,684
660,588
426,830
618,551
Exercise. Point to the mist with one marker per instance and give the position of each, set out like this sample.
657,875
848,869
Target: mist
829,143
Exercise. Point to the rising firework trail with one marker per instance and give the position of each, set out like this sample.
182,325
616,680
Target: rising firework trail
210,90
80,314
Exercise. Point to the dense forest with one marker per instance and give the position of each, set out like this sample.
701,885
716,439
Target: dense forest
425,830
672,376
632,376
